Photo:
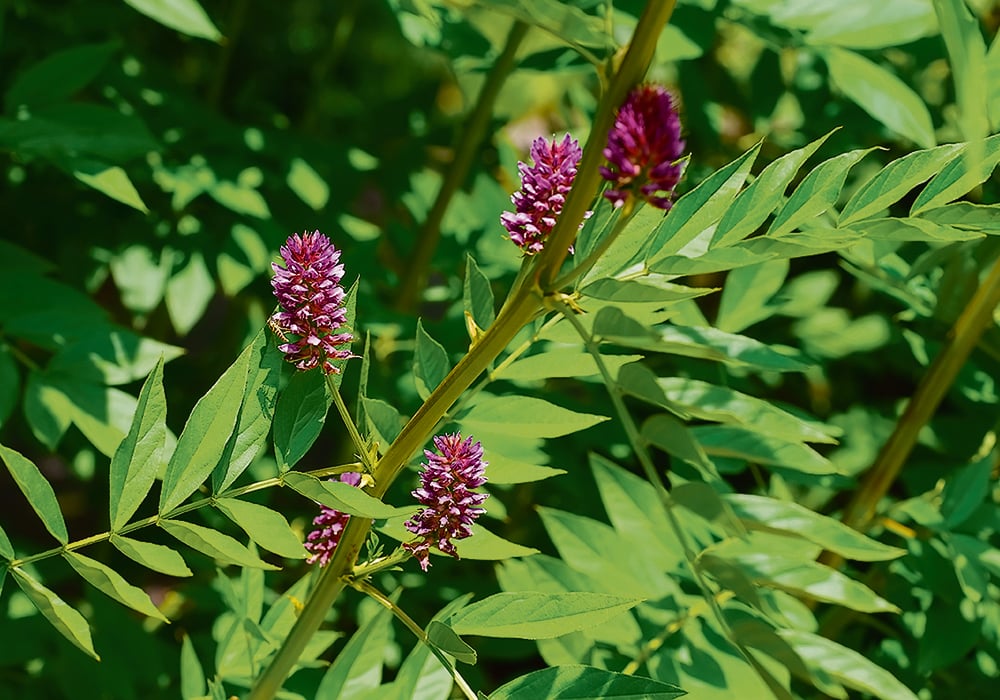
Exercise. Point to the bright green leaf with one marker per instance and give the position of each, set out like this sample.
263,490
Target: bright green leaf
299,417
112,584
525,416
157,557
746,295
430,362
358,666
444,638
214,544
956,179
482,545
37,490
110,180
266,527
189,291
584,683
742,443
65,619
192,674
185,16
564,362
477,294
538,615
342,497
6,548
307,184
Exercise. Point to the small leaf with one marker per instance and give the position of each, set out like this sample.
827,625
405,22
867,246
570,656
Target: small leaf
525,416
384,421
538,615
430,362
185,16
299,417
189,292
748,290
140,455
37,490
444,638
214,544
6,548
307,184
477,294
358,666
266,527
676,439
343,497
112,584
157,557
192,674
564,362
110,180
956,178
65,619
584,683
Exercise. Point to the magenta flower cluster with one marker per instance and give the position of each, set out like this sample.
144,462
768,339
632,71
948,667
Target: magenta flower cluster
330,524
644,148
311,298
543,192
446,490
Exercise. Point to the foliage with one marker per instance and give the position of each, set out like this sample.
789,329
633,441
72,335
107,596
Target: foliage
761,418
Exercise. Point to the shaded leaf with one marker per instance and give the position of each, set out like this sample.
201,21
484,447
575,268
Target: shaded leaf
65,619
584,683
299,417
483,545
185,16
358,666
477,294
444,638
430,362
564,362
58,76
37,490
731,441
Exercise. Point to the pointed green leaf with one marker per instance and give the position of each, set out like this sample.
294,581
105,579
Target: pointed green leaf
192,674
140,455
676,439
157,557
214,544
58,76
525,416
343,497
564,362
384,421
190,289
109,180
305,182
185,16
771,515
967,55
299,417
649,287
421,675
444,638
584,683
6,548
358,666
748,290
913,229
205,435
482,545
112,584
37,490
538,615
819,191
477,294
956,178
65,619
430,362
501,469
266,527
732,441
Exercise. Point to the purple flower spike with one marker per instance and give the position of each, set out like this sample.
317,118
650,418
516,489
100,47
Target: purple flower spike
543,192
446,484
330,524
312,303
644,147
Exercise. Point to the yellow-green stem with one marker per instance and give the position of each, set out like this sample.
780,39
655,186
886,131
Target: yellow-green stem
359,443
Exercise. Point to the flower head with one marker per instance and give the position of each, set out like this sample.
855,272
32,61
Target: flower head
543,192
312,303
451,505
330,524
644,147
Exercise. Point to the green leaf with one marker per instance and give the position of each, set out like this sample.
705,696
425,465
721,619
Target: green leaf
538,615
525,416
343,497
37,490
564,362
967,54
205,435
742,443
651,287
477,294
384,421
65,619
502,469
110,180
444,638
754,204
482,545
139,456
956,178
979,217
771,515
189,291
676,439
914,229
894,180
266,527
59,76
214,544
299,417
846,665
186,16
157,557
565,22
885,97
819,191
965,490
305,182
10,384
112,584
6,548
584,683
748,290
192,674
430,362
239,199
862,25
699,209
358,666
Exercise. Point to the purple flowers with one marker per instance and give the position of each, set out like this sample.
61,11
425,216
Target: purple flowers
330,524
446,484
644,147
543,192
312,303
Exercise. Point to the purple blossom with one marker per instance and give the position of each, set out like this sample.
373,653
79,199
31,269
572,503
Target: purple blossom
644,147
543,192
312,303
446,484
330,524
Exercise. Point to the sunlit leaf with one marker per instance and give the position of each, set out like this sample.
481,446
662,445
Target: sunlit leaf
358,666
214,544
305,182
525,416
444,638
185,16
112,584
538,615
584,683
157,557
37,490
477,294
65,619
266,527
299,417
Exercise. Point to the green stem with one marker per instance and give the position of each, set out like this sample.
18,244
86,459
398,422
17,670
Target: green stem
418,632
456,173
359,442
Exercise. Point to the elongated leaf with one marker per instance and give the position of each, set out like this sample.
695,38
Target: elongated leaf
358,666
421,676
895,180
880,93
299,417
6,548
967,54
538,615
58,76
649,287
65,619
525,416
846,665
192,674
205,435
565,362
430,363
112,584
914,229
759,199
748,290
214,544
584,683
731,441
140,455
676,439
343,497
384,421
266,527
185,16
771,515
956,178
477,294
110,180
37,490
444,638
482,545
157,557
501,469
819,191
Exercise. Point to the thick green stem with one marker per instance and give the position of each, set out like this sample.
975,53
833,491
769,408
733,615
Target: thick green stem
458,170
